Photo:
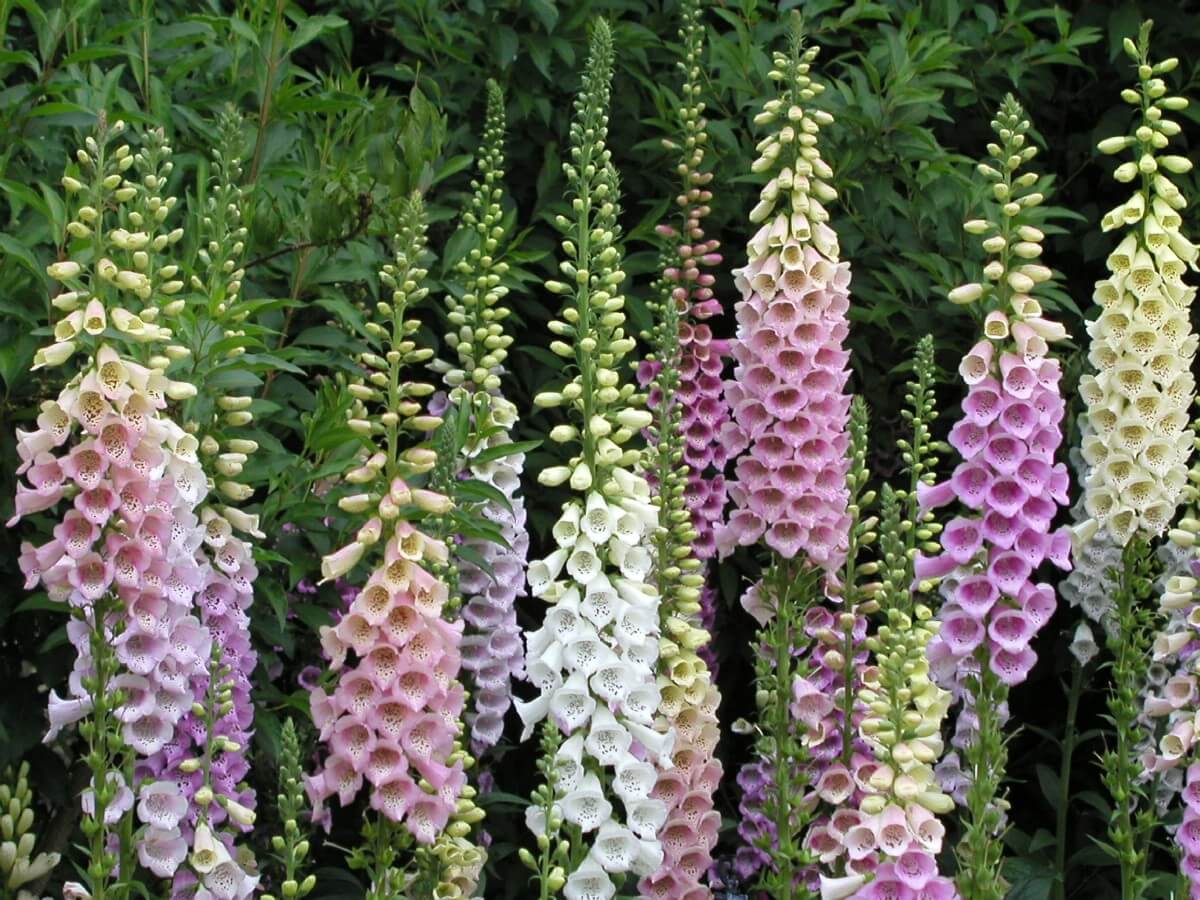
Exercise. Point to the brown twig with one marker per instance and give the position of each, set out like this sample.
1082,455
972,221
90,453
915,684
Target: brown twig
365,206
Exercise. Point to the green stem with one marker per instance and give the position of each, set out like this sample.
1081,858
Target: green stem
981,849
1070,734
274,60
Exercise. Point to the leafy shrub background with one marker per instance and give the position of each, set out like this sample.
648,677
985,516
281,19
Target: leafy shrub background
350,104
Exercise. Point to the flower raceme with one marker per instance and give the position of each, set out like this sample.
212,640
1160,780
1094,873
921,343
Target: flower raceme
132,555
1008,482
685,397
595,656
787,397
394,719
1010,490
1142,344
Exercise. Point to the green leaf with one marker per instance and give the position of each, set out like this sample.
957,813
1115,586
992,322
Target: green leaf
472,489
312,28
500,451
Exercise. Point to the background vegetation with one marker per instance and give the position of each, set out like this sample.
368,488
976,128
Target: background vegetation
348,104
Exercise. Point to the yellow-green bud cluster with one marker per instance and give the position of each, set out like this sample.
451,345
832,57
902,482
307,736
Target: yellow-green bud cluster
119,281
384,405
590,332
1011,241
477,333
18,864
791,205
905,713
219,283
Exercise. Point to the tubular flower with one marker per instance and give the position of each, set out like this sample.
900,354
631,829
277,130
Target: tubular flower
689,698
394,719
125,556
788,396
1011,489
1142,344
593,660
491,646
209,749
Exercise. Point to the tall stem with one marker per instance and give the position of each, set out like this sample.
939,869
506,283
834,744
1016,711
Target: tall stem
1070,735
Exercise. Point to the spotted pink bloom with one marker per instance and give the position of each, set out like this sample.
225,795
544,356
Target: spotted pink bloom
132,534
393,719
789,407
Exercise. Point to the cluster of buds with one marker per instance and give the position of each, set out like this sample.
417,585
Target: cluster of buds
606,411
594,658
383,386
18,864
1142,343
491,647
477,317
223,445
128,286
292,846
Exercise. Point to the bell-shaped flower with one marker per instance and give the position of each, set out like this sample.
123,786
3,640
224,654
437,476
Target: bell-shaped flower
589,882
586,805
572,704
608,741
